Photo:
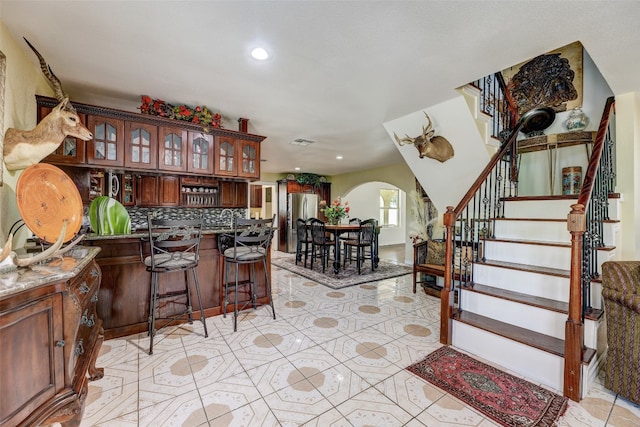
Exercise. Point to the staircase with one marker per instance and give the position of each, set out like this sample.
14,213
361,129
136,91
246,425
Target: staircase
513,312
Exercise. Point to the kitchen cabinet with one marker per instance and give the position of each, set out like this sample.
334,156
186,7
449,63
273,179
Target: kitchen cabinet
128,195
141,145
198,191
71,150
172,154
225,156
107,146
50,336
249,154
200,153
158,190
233,194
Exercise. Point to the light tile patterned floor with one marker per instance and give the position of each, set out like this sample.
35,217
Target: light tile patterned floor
332,358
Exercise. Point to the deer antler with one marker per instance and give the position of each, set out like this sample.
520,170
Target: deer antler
53,79
406,140
48,253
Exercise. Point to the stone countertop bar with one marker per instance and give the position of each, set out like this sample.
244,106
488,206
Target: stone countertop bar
143,233
54,269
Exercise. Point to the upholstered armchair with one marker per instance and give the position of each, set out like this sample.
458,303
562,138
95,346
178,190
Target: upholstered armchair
621,295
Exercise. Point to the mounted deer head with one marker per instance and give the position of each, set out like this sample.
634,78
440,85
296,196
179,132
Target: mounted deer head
428,144
23,148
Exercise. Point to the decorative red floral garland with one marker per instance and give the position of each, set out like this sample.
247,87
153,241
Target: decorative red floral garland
199,115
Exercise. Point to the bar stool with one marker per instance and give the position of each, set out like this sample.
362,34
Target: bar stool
174,246
251,244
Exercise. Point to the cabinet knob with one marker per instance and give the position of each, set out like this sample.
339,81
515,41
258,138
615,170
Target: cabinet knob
60,343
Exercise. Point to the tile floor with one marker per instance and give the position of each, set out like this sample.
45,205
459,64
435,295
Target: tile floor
332,358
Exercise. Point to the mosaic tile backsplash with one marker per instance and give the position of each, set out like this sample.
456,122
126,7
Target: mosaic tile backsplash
213,217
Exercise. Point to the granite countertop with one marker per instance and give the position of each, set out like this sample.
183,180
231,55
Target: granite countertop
138,233
53,270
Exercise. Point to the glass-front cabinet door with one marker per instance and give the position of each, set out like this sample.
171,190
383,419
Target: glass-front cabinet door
225,156
250,154
200,159
107,146
173,149
141,145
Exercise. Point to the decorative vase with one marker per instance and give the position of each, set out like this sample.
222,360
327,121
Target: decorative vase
576,121
571,180
333,221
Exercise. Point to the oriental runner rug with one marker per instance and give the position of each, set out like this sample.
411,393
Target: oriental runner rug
506,399
346,277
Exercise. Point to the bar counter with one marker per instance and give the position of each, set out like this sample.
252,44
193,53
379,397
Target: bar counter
125,292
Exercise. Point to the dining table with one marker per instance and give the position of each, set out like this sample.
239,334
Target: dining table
337,230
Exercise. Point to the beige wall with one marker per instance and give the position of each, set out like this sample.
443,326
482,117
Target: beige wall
23,80
628,172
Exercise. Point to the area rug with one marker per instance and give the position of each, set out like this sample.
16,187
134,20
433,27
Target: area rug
508,400
346,277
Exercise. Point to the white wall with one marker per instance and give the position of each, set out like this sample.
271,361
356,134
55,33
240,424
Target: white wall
364,202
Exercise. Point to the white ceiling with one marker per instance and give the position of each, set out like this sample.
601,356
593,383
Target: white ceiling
338,70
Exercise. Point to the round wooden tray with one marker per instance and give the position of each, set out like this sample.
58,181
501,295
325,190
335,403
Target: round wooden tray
46,197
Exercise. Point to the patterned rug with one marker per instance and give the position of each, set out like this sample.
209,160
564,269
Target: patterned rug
508,400
345,277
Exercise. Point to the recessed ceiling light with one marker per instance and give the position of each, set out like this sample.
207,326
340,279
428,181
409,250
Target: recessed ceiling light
260,54
296,168
339,157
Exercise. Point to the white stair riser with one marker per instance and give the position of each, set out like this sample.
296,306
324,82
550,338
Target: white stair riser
541,285
550,209
539,255
531,363
548,231
525,316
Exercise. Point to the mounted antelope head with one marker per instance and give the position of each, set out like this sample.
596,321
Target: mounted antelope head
428,144
23,148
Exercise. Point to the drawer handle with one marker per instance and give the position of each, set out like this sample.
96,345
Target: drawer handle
87,321
84,288
60,343
94,298
94,273
79,351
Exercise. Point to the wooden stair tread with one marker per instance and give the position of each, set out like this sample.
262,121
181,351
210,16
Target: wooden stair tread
531,300
515,333
527,267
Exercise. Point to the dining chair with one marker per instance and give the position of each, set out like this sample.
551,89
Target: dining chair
303,240
321,242
250,246
364,241
351,235
174,247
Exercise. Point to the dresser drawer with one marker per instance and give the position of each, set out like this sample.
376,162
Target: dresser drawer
83,288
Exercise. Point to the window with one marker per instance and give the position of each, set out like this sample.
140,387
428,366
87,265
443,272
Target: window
389,207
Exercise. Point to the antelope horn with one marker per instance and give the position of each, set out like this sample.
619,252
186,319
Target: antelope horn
53,79
7,248
49,253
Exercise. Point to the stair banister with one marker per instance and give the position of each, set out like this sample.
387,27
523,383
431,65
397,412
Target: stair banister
577,226
449,220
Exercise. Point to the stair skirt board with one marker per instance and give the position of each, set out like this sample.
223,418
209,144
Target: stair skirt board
530,363
540,285
525,316
590,373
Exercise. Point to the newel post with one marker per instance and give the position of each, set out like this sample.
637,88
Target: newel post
574,327
446,295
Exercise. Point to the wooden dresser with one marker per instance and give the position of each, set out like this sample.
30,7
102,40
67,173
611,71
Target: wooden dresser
50,336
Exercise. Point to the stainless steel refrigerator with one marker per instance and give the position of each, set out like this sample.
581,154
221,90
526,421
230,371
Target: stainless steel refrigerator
301,205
